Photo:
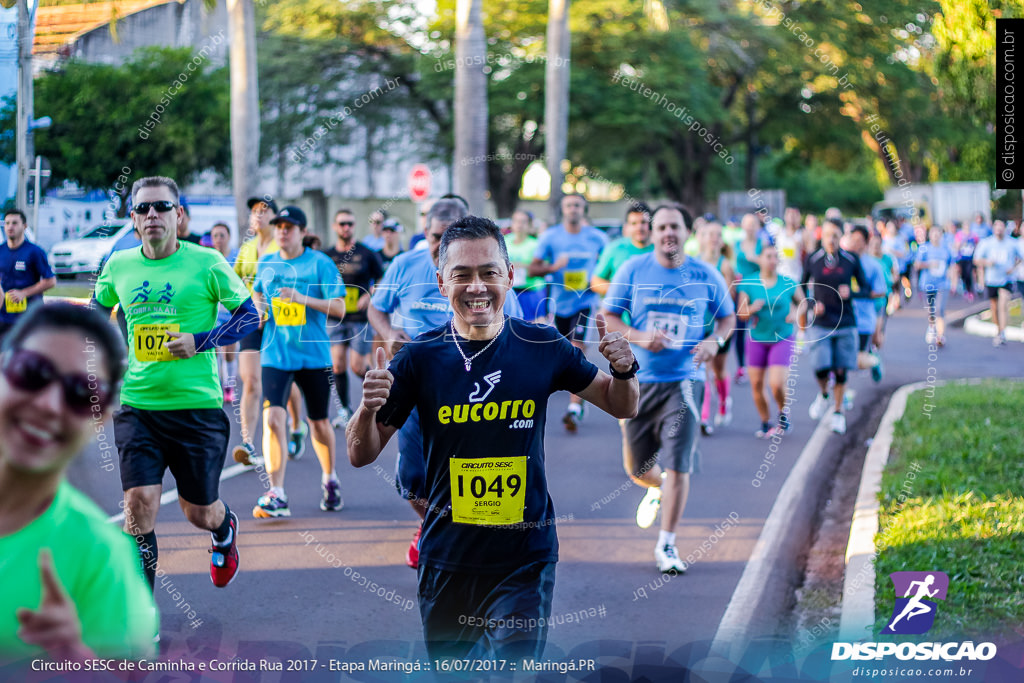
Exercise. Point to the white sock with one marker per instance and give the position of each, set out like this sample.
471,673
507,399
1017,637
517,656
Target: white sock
666,538
232,373
328,477
279,492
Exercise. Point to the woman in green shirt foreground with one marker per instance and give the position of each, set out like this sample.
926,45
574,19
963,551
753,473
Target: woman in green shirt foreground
73,584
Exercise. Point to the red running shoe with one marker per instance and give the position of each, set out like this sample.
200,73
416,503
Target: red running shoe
412,555
224,560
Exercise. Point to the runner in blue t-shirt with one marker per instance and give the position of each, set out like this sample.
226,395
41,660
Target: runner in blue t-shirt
481,383
666,294
299,286
933,262
864,310
998,255
567,254
25,272
406,303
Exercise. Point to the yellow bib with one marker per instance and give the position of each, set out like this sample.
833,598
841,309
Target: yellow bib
576,280
488,491
352,299
287,313
15,306
150,342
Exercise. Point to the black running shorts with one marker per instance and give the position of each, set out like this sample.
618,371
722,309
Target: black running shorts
252,341
573,327
314,383
192,443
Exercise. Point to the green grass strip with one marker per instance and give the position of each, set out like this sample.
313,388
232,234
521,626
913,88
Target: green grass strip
952,500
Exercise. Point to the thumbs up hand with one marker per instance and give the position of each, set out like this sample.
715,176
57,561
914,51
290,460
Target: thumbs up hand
613,346
377,383
54,626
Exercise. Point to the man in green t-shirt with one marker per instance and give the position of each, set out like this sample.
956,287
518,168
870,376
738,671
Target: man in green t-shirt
635,240
521,245
171,412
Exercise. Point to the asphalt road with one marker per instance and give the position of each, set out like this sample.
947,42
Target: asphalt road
335,586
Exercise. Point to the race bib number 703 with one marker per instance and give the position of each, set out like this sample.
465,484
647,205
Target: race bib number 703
488,491
288,313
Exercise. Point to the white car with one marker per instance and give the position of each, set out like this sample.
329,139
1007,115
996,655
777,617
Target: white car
85,254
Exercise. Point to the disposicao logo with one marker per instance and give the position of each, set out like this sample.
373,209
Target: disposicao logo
916,606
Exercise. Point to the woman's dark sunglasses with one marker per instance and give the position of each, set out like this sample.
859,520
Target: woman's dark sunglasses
162,206
30,371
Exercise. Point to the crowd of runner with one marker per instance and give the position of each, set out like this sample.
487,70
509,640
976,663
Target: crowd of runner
434,334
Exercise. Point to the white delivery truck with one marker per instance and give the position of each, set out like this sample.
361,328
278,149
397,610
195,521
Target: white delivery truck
936,203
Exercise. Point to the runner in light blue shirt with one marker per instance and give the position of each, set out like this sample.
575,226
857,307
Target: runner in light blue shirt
300,287
933,261
864,311
666,294
998,255
567,254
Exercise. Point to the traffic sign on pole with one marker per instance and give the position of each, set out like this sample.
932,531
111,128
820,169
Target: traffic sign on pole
419,183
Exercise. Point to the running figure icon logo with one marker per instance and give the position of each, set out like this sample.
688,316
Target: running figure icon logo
916,596
491,379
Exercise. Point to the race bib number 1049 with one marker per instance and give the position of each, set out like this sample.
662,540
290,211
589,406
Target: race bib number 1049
488,491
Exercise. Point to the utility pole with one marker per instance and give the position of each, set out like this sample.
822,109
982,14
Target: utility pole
556,100
24,143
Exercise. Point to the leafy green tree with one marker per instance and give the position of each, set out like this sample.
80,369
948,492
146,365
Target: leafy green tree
141,118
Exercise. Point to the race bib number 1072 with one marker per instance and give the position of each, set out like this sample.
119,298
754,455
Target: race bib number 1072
151,340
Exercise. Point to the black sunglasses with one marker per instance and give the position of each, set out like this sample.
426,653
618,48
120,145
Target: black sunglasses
163,206
31,371
344,223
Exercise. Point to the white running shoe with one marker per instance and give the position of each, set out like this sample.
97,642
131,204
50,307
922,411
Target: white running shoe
838,423
818,407
723,419
667,558
647,510
342,418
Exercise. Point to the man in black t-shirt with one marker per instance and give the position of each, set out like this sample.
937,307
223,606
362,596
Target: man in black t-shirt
481,384
360,267
836,278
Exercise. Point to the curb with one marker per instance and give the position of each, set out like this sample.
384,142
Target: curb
957,318
857,618
68,299
764,588
858,610
978,327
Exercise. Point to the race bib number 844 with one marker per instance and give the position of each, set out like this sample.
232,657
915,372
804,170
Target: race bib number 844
488,491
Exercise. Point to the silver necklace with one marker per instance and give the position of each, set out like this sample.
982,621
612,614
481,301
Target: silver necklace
469,361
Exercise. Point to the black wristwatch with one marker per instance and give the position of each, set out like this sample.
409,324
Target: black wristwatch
629,374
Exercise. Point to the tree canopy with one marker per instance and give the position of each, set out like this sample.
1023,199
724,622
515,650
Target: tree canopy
149,115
